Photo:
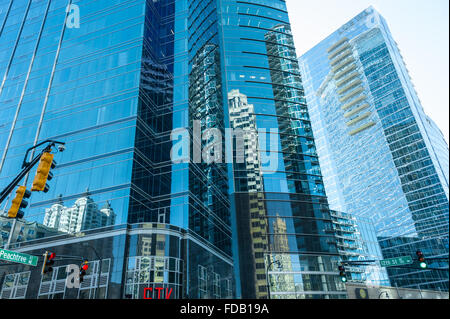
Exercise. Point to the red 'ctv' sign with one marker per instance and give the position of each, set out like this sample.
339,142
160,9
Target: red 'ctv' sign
162,294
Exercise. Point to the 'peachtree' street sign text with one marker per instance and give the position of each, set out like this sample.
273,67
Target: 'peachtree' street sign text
20,258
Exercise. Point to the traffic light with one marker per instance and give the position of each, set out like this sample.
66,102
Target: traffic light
19,202
43,173
421,258
83,268
48,262
342,273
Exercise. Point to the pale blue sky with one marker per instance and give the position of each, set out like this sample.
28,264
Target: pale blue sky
420,27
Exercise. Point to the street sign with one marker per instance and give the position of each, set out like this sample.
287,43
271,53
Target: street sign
399,261
20,258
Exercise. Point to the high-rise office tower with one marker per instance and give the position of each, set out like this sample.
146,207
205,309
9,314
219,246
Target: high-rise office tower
295,238
382,157
121,83
248,168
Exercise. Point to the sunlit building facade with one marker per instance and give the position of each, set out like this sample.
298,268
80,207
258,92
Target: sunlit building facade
382,157
302,259
247,166
116,81
104,77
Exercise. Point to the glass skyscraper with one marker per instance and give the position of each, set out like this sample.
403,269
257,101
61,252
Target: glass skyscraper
382,158
286,241
119,86
111,86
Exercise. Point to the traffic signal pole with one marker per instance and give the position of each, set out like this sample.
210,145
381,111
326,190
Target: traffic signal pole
26,168
11,187
19,177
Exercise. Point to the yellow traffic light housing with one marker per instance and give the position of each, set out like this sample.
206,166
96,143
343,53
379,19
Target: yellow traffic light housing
43,173
48,262
19,202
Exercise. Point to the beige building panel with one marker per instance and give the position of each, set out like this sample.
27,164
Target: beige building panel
337,44
362,128
357,110
338,51
351,94
344,72
359,119
350,86
349,105
340,57
343,64
347,79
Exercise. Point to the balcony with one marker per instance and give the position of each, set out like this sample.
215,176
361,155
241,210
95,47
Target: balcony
338,58
347,79
337,45
344,72
362,128
349,105
359,119
350,86
351,94
356,111
343,64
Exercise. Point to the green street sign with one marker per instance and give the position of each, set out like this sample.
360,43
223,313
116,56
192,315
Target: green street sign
399,261
20,258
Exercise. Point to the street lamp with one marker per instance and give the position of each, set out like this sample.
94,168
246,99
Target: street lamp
267,274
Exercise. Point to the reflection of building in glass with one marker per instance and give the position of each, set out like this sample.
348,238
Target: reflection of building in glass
115,97
209,182
152,140
24,231
356,241
15,286
297,138
282,284
242,117
382,157
115,93
83,215
154,269
200,104
249,179
305,215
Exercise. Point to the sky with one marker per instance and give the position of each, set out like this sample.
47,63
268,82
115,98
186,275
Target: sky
420,27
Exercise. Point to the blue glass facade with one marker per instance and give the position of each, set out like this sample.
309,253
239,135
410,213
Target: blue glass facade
284,228
115,89
382,157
